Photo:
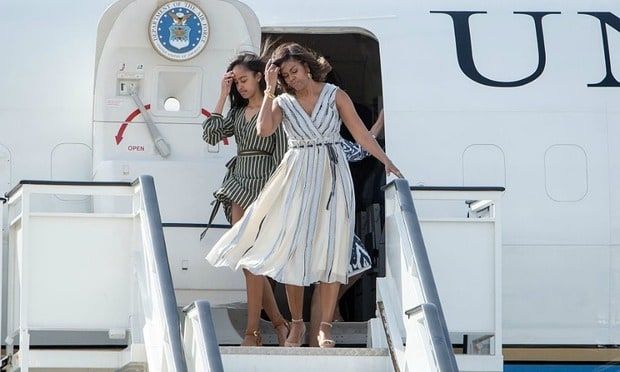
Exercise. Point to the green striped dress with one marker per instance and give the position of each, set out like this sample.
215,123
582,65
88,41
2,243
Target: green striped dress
257,157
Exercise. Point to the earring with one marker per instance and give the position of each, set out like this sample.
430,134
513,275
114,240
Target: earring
309,76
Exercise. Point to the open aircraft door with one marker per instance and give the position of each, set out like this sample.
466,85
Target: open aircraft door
158,72
158,66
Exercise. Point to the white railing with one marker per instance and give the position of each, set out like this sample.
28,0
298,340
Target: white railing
3,244
202,351
162,332
57,279
409,303
443,277
463,235
90,273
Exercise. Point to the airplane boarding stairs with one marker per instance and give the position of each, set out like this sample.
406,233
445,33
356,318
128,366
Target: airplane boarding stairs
94,292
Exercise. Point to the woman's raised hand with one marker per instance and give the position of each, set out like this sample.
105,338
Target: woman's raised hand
271,76
227,81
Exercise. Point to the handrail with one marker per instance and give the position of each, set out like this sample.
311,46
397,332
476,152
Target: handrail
441,343
196,225
154,276
419,262
208,347
17,187
157,245
456,188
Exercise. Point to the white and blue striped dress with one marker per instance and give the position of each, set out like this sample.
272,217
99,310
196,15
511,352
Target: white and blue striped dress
300,228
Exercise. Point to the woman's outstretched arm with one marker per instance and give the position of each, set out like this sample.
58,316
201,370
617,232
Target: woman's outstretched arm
360,133
377,127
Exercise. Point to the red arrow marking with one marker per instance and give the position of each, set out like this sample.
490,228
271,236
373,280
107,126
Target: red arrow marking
121,130
119,135
123,127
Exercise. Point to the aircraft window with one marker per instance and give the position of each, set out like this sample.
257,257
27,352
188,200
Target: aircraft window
172,104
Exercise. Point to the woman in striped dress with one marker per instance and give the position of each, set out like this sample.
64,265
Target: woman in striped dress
256,159
299,230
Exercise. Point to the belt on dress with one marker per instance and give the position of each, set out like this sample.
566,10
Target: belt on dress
333,160
253,152
230,166
216,207
292,146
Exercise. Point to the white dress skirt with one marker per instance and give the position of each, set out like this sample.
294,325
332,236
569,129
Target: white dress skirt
300,228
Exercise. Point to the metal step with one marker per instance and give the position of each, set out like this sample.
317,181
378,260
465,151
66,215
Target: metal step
230,325
305,359
131,359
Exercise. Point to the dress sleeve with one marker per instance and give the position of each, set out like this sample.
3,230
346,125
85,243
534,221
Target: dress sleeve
216,127
281,145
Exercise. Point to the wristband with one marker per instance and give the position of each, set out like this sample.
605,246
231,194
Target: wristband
269,95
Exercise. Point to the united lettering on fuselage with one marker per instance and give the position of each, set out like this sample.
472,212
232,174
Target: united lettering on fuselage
462,35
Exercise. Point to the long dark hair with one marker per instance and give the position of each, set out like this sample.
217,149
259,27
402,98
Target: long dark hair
318,66
253,63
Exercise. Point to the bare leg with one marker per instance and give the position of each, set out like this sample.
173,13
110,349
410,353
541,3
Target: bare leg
329,296
269,302
343,289
315,309
295,296
254,290
271,308
315,317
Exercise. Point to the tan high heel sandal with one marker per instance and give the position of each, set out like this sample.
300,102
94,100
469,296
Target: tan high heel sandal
298,342
282,328
247,341
325,342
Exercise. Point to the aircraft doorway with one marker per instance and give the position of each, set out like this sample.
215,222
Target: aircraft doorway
356,68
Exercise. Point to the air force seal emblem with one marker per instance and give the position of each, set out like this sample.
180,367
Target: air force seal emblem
179,30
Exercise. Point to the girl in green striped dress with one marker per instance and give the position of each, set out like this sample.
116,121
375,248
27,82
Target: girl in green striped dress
257,157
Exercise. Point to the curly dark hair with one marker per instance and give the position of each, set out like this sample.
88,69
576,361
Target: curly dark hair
318,66
253,63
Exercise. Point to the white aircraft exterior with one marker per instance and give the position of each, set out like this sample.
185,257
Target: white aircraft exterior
522,95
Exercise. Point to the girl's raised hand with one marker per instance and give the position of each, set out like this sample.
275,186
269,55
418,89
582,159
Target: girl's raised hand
227,82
